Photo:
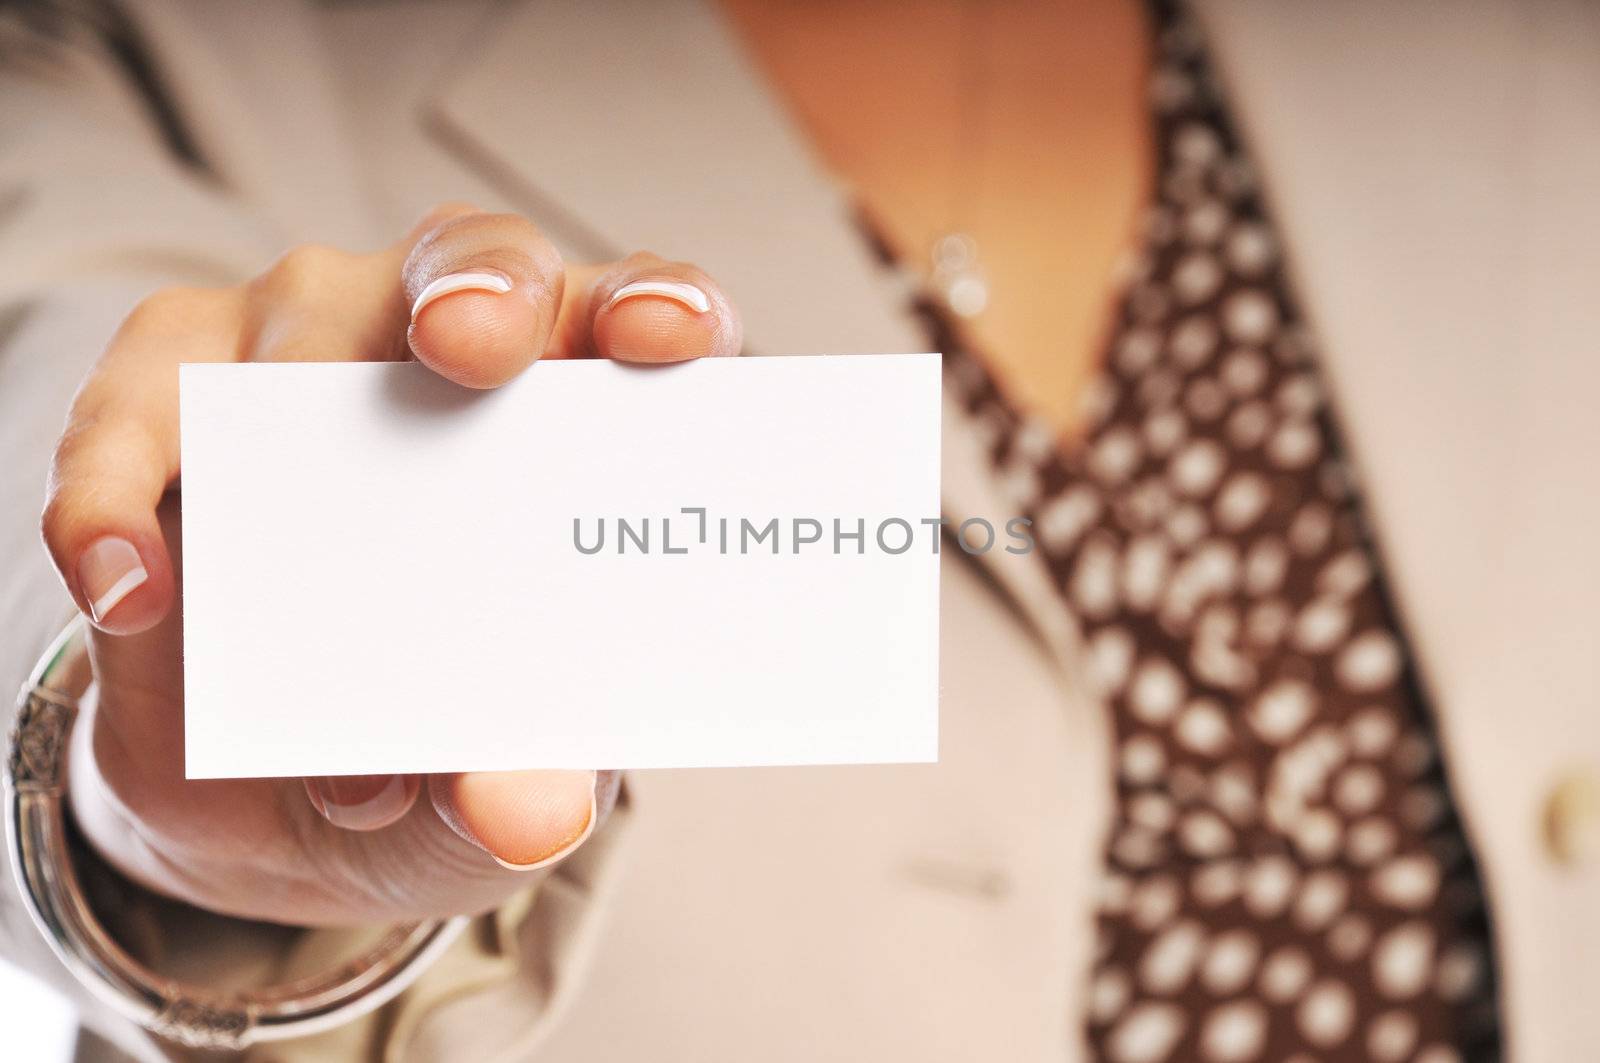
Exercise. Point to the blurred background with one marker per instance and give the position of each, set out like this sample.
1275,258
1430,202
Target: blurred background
40,1024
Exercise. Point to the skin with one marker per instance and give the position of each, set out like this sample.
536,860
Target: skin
322,852
1024,124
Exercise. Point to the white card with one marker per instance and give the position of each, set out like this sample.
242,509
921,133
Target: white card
382,571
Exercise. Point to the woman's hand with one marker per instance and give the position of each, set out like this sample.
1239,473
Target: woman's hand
477,298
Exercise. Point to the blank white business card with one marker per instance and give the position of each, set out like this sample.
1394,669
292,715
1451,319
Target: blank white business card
727,562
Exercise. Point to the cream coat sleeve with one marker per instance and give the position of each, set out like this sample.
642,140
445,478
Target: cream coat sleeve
102,201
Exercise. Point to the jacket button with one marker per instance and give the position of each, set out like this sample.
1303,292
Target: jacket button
1572,819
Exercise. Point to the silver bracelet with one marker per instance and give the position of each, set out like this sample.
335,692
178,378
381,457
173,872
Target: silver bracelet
196,1016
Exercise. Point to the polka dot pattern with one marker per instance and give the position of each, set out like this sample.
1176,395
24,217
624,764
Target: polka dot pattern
1285,877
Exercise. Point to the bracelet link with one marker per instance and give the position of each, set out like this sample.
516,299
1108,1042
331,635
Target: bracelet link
195,1016
199,1024
39,740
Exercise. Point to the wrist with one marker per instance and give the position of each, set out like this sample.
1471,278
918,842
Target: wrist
53,895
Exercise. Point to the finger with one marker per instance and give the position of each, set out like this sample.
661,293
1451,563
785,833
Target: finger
363,802
524,819
119,453
484,291
646,309
463,850
320,304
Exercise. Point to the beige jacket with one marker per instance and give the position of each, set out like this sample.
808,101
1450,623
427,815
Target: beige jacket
1433,168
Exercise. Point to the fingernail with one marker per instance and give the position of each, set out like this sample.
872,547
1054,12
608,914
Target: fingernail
474,280
108,571
362,802
678,291
565,849
533,862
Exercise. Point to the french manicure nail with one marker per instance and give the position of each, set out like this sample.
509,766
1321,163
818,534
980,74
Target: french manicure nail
678,291
108,571
362,802
472,280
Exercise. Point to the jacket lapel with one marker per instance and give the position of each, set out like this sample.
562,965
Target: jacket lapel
252,95
1446,253
1434,178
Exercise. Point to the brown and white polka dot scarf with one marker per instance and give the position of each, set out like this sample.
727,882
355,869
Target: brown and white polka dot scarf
1286,877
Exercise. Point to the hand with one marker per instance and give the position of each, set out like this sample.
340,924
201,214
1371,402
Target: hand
477,298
